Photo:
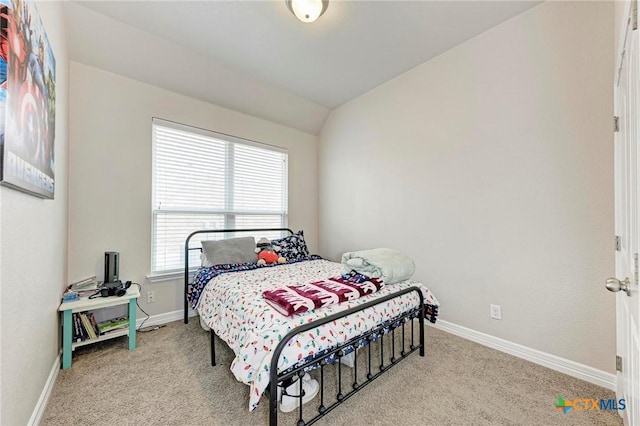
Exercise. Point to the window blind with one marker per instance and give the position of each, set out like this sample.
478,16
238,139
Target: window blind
207,180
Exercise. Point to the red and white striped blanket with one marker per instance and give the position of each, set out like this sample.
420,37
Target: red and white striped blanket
294,299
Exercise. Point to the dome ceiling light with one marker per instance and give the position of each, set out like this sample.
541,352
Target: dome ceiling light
307,11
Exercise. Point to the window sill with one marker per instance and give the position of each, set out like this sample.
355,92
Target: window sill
156,277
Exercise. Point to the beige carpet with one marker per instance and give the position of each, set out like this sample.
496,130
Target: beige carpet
167,380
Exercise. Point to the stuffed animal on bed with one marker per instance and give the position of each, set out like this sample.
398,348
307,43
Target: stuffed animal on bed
267,253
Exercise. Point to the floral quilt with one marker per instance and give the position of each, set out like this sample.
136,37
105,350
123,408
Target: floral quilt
233,306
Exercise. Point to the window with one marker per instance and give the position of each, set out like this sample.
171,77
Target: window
208,180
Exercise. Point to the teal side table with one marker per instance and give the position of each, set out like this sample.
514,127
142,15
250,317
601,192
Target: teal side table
86,304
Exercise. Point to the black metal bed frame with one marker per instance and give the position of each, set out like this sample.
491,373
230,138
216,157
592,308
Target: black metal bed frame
329,357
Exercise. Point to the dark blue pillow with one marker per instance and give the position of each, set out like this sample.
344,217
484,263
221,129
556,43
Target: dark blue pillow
292,247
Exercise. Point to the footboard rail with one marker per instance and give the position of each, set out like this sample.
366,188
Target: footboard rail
329,357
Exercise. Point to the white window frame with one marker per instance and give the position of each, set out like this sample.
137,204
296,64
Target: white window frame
228,212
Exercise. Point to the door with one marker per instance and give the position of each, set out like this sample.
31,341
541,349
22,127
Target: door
627,162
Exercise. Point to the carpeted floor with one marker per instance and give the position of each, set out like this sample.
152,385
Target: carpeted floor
168,380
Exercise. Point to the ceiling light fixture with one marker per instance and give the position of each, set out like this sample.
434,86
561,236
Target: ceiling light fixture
307,10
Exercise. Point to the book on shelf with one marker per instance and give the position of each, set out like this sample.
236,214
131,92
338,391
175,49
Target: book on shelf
87,326
80,334
84,326
113,324
77,336
94,323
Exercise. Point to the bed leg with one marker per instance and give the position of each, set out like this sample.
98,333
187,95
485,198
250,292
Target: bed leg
322,408
355,368
273,402
186,311
213,348
421,322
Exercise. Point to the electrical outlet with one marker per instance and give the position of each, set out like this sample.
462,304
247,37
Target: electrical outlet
495,312
151,297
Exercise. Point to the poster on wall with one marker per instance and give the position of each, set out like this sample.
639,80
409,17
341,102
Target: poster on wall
27,100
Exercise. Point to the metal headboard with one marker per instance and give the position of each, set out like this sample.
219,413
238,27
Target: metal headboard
187,249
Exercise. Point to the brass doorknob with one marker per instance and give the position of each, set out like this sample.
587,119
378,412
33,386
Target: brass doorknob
614,285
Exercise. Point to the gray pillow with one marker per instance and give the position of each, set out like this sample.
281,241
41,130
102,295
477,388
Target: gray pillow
233,250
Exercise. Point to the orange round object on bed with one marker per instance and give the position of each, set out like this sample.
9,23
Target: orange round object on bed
268,256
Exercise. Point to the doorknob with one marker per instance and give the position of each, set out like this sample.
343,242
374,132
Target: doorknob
614,284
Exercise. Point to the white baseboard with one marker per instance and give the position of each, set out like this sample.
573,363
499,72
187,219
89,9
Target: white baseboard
41,405
563,365
164,318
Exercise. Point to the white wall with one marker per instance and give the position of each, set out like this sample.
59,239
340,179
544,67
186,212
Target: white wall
492,166
110,172
33,261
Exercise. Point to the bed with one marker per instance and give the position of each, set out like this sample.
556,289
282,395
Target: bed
271,349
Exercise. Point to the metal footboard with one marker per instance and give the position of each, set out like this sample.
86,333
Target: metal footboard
327,358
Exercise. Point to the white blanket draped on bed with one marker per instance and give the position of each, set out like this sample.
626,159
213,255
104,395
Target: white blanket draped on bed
389,264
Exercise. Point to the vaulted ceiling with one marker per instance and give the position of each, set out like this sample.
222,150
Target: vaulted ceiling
256,57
